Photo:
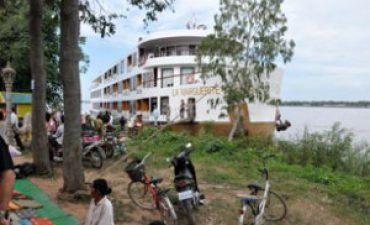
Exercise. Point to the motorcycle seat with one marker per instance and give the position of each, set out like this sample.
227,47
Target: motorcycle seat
182,177
155,180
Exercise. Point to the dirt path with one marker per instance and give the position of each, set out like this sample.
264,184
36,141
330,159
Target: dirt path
221,206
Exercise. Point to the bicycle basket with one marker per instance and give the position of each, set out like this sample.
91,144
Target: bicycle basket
136,173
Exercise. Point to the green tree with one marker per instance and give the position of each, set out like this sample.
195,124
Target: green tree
249,38
15,46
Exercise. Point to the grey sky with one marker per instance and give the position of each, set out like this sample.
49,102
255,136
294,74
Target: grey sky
331,56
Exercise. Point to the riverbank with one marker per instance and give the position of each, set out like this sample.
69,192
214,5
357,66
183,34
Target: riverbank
316,194
316,191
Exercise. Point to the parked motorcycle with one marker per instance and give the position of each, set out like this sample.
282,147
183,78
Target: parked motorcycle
92,151
186,183
112,144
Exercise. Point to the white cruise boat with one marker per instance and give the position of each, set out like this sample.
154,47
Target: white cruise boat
161,72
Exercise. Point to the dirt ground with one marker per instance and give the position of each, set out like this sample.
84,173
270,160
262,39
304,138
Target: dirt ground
221,207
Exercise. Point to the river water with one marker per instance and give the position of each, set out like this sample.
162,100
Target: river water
357,120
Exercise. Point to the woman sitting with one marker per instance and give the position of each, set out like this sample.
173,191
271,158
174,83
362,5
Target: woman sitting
101,209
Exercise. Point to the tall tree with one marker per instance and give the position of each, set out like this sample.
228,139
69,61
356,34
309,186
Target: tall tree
70,55
73,175
39,138
249,38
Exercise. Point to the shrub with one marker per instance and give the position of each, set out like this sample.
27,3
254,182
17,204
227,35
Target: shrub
334,149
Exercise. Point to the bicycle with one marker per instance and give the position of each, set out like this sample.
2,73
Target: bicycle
146,194
270,207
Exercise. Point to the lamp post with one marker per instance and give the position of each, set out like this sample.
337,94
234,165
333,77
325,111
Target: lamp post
8,75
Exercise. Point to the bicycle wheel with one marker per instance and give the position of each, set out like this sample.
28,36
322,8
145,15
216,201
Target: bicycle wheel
275,208
141,196
168,212
247,218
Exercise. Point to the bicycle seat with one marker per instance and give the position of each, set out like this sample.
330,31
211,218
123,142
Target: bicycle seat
155,180
255,185
248,198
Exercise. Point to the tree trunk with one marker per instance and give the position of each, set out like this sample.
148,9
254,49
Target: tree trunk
39,137
236,122
73,174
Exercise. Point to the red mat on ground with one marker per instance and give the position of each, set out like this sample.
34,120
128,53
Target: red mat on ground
41,221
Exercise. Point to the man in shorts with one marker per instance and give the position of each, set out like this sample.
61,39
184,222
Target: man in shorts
7,178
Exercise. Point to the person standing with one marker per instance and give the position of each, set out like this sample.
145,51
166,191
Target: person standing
15,127
182,109
168,114
3,126
101,209
99,124
59,134
123,122
50,124
155,115
7,179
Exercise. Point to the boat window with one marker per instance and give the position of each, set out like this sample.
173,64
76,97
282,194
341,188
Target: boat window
133,84
167,77
129,61
134,59
122,66
153,103
165,103
120,87
133,107
192,49
187,75
171,51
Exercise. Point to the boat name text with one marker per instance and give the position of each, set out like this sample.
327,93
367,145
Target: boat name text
197,91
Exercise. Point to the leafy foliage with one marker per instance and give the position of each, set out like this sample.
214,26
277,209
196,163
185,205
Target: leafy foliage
152,7
333,149
15,46
102,22
249,38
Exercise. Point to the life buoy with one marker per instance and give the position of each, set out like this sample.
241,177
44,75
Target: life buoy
190,78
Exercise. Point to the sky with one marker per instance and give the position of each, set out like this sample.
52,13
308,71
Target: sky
331,59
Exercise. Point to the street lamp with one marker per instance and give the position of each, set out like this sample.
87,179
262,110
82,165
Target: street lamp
8,75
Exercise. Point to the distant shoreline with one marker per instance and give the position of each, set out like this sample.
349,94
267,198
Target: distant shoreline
327,104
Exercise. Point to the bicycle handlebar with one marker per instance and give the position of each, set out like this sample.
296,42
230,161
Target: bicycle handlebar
143,160
146,157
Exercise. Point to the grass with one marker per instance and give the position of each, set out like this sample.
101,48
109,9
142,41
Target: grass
323,168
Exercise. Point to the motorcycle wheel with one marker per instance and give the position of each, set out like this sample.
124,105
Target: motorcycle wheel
96,159
188,207
109,150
